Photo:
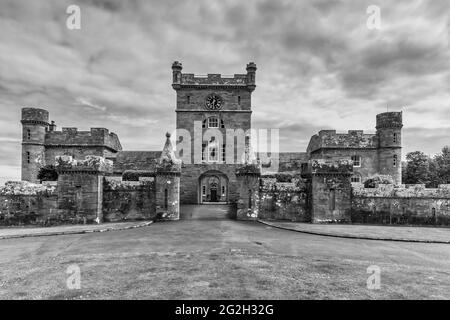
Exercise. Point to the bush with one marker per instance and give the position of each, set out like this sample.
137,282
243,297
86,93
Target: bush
377,180
48,173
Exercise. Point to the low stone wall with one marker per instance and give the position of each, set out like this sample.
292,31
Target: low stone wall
128,200
24,203
283,200
412,205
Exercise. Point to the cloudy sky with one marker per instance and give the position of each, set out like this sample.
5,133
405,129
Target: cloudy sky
319,66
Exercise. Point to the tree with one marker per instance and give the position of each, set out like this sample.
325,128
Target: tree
442,165
417,169
48,173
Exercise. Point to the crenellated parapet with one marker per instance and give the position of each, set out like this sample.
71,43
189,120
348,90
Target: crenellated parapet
190,80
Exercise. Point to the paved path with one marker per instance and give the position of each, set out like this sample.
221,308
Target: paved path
390,233
219,259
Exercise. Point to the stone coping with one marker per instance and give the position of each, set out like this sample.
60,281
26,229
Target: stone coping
367,232
24,232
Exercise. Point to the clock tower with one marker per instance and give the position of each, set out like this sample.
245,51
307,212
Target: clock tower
213,112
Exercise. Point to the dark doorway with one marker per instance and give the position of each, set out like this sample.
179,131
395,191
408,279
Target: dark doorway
213,195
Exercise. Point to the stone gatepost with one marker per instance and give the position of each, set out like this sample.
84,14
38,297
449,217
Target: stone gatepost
80,188
329,190
248,179
167,184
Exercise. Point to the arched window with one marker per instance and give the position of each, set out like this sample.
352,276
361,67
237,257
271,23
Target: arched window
394,160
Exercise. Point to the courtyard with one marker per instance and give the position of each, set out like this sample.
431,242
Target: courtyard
208,255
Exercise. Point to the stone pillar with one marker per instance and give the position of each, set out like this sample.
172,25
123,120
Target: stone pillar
80,188
167,184
248,189
329,190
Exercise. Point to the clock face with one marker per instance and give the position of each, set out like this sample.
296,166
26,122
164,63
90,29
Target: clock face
213,102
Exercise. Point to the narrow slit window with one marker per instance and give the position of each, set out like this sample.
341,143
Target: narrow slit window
28,157
239,99
204,190
394,160
250,199
188,99
28,134
394,138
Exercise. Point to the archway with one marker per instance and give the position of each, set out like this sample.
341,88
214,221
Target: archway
213,187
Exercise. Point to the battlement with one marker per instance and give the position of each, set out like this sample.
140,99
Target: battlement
213,79
389,120
73,137
35,115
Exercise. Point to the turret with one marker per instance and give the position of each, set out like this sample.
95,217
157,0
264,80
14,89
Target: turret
251,76
34,125
176,74
389,133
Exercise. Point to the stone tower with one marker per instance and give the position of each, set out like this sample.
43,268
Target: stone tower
34,126
389,133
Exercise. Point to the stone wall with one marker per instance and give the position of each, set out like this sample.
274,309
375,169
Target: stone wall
283,200
414,204
23,203
128,200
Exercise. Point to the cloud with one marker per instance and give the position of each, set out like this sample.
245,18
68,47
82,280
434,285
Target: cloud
86,103
318,65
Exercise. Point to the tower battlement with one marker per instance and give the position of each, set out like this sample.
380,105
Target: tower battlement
389,120
35,116
189,80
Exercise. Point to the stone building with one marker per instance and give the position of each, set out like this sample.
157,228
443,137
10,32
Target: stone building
213,121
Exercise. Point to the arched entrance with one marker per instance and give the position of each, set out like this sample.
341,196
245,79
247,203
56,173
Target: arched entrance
213,187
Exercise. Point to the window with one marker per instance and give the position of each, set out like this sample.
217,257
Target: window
204,190
222,125
28,134
356,161
204,151
224,146
213,122
28,157
239,99
394,160
188,99
250,199
356,178
204,124
223,191
394,138
213,154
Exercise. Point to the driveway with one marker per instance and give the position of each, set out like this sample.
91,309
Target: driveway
207,258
